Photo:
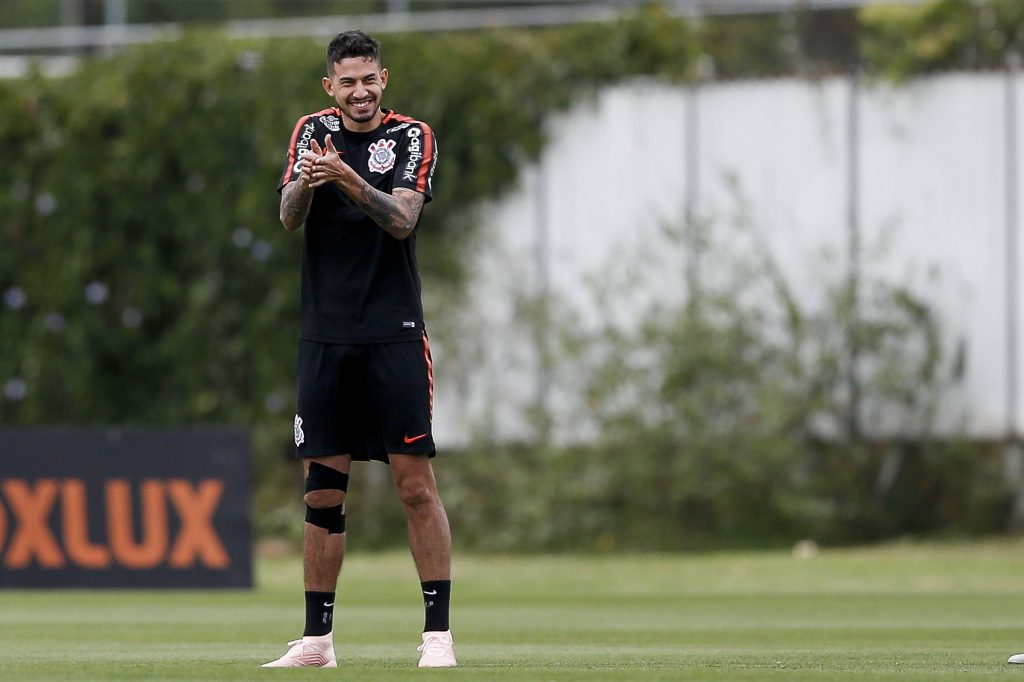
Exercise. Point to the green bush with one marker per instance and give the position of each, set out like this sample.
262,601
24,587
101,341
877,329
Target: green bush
728,418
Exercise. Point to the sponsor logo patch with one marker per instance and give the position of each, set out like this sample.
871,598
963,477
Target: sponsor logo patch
415,155
302,144
331,122
382,156
300,436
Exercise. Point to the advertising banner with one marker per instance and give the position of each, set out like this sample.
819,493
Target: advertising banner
113,508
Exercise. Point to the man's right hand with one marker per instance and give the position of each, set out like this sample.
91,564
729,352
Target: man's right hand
306,161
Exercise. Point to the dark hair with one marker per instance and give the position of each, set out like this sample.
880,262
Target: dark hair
351,44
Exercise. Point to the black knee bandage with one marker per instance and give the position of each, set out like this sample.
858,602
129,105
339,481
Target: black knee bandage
322,477
331,518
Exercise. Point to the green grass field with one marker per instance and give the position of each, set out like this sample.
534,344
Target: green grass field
907,611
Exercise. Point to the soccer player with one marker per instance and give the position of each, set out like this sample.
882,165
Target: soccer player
357,176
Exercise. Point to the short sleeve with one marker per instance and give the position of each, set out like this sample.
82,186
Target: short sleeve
414,168
301,135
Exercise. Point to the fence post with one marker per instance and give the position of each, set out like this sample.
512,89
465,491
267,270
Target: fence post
541,322
1013,452
691,132
1010,161
853,254
115,19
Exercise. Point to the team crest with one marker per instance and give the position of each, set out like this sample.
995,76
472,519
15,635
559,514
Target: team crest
332,123
382,156
300,437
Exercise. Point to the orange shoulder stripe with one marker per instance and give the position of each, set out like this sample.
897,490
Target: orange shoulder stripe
295,136
428,149
428,158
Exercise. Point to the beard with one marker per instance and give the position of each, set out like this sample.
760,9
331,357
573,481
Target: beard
363,114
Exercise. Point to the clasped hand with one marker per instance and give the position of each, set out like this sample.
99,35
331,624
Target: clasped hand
319,166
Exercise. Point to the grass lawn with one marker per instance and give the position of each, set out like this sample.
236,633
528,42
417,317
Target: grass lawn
906,611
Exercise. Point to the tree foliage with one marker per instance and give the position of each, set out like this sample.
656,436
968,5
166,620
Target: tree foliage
904,40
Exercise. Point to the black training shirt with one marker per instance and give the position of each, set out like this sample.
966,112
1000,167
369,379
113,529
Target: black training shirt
360,284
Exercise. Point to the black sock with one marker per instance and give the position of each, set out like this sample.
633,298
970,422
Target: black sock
437,595
319,613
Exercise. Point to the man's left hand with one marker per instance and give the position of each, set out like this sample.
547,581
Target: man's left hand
328,166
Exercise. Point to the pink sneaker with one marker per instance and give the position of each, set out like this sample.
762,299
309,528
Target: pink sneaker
438,650
308,652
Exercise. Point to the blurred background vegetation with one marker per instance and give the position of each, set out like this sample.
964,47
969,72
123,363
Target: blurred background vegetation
146,281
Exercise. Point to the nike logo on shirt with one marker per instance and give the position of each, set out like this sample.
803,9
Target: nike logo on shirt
407,439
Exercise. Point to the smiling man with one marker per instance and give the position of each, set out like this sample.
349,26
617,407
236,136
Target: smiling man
357,176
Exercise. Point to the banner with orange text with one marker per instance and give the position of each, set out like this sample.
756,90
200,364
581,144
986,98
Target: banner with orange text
114,507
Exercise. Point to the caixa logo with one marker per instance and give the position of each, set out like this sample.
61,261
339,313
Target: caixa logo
139,525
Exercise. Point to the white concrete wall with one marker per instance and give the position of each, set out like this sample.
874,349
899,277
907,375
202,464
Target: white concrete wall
932,215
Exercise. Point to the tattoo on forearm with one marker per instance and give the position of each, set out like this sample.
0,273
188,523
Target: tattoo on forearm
396,214
295,202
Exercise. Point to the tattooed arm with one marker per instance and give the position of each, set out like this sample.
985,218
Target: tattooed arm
296,199
396,213
297,195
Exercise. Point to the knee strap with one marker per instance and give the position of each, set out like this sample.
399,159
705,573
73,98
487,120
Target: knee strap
322,477
332,519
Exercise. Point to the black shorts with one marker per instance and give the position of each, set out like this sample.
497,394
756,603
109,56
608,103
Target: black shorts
364,400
